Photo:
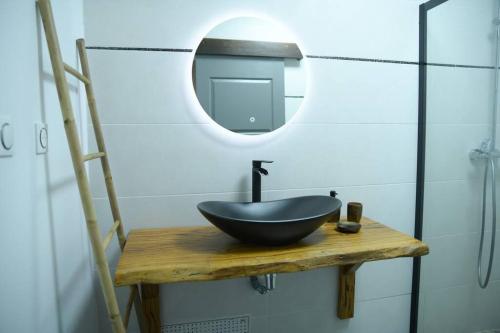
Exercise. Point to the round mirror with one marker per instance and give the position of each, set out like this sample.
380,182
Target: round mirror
249,75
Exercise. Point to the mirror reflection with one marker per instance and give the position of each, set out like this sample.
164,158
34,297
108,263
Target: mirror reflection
249,75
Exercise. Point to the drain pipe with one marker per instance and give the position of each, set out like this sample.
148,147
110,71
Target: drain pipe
269,283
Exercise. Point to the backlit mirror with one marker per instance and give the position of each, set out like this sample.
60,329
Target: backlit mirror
249,75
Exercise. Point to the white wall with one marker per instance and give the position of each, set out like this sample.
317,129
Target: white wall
251,28
459,108
357,133
45,280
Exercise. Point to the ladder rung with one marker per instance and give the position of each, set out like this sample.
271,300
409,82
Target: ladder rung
76,73
131,298
93,156
109,236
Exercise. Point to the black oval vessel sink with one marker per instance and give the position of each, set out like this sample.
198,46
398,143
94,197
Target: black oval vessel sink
278,222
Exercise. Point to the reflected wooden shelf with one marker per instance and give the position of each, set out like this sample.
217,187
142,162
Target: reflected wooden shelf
166,255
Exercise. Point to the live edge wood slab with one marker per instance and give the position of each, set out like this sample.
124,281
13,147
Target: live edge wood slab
166,255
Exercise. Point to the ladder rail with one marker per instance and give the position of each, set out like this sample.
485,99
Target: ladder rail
106,169
78,158
96,124
133,295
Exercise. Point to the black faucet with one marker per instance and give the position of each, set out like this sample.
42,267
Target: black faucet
257,171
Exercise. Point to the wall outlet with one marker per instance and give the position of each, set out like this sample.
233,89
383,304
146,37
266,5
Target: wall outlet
41,138
6,136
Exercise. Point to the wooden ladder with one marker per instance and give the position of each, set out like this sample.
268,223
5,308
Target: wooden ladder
99,244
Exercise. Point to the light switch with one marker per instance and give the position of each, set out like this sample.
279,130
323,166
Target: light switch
6,136
41,138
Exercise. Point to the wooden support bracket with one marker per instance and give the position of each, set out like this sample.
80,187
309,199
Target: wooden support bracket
151,307
347,282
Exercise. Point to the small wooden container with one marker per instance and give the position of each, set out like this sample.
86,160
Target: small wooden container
354,211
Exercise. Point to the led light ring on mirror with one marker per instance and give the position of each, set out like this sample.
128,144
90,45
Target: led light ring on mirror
215,129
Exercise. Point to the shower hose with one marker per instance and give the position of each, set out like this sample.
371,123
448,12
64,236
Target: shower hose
490,169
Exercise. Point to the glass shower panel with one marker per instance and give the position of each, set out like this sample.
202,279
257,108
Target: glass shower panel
460,99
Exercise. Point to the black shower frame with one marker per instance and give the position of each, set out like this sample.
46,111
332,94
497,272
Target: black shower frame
419,202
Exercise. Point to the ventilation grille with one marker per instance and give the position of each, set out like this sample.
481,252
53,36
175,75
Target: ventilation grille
226,325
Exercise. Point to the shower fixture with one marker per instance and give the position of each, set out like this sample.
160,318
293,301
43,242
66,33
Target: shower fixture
488,152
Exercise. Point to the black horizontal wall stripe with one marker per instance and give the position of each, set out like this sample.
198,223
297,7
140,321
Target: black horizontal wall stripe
363,59
387,61
459,66
399,62
151,49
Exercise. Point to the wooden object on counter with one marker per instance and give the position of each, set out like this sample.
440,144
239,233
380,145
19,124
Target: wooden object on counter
348,227
354,211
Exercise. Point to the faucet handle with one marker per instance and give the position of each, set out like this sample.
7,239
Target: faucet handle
258,163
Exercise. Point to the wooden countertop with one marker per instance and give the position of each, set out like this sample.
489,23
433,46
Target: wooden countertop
164,255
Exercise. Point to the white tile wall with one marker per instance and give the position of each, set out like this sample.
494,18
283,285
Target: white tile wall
462,95
447,214
447,310
465,308
451,262
462,32
321,28
184,160
205,300
358,92
447,151
381,315
485,305
164,211
123,97
356,133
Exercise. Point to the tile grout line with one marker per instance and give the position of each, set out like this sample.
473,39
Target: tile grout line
460,285
249,191
313,308
456,234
